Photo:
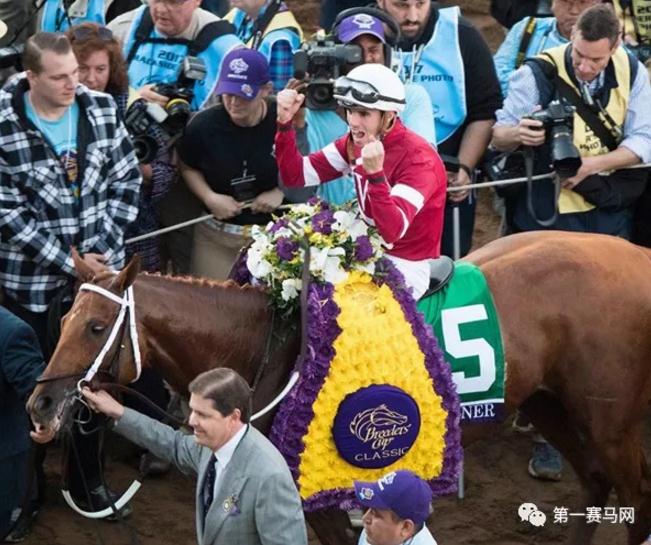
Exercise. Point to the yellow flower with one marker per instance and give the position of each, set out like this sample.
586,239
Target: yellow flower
376,346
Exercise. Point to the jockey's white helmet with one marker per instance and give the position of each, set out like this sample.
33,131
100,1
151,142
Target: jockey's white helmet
372,87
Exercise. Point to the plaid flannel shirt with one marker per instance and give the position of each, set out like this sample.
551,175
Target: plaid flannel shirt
281,59
40,218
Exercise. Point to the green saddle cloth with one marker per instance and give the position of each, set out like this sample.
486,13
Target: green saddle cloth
466,324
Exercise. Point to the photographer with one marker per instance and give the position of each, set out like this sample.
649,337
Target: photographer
269,27
325,124
227,161
611,128
157,38
636,26
399,178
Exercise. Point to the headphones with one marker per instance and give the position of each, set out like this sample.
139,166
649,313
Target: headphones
391,38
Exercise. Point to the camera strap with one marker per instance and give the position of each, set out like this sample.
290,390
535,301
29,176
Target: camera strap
201,42
529,29
592,119
261,23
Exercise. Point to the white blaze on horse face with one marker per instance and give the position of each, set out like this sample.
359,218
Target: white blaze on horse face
525,510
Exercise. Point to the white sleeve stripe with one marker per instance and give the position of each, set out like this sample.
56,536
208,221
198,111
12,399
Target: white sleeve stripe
334,158
411,195
405,223
309,173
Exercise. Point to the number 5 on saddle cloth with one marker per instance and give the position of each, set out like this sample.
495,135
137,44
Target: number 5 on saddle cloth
465,322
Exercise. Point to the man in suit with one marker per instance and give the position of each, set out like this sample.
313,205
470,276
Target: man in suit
245,492
21,362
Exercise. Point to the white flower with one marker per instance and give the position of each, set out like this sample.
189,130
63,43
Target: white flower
291,287
348,223
318,257
258,266
333,272
368,267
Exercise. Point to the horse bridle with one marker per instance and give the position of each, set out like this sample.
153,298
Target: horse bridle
127,303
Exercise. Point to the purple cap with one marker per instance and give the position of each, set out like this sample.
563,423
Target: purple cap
244,71
356,25
403,492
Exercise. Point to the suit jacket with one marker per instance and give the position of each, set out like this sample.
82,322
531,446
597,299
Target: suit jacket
256,502
21,362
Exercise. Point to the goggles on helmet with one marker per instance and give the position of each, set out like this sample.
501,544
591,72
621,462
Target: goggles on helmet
361,91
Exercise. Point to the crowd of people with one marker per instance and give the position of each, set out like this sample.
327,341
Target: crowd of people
125,116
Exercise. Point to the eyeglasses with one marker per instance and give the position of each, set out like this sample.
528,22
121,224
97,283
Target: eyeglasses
81,33
361,91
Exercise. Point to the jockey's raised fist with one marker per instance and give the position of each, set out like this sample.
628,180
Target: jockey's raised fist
288,103
373,157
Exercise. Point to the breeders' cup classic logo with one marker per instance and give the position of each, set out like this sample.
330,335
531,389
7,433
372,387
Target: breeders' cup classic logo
375,426
363,21
379,426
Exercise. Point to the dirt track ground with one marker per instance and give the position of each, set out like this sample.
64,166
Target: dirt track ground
496,478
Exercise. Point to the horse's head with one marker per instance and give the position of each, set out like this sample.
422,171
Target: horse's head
85,332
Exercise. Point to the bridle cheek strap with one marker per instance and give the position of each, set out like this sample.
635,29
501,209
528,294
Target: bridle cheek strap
127,304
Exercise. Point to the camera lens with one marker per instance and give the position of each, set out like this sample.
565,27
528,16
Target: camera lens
178,111
145,148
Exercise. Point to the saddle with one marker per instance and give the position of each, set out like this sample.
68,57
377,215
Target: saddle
441,271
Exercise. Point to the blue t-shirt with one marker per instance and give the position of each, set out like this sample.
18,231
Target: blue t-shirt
61,134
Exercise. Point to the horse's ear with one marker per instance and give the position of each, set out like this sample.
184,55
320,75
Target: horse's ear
84,272
127,276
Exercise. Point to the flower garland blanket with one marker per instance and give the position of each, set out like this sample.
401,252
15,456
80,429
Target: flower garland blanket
375,394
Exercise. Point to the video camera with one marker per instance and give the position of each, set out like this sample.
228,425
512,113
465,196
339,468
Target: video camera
322,60
172,117
558,121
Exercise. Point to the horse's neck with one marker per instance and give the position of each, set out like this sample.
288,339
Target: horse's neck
191,326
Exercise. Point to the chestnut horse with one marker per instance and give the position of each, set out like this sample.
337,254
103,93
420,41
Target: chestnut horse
575,311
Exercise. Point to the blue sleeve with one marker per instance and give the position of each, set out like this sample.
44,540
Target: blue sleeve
418,114
22,360
505,57
637,124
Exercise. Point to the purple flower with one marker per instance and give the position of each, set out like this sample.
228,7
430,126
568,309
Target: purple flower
286,248
282,222
322,222
363,249
314,201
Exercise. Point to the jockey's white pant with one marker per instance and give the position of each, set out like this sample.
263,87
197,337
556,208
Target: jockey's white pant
416,274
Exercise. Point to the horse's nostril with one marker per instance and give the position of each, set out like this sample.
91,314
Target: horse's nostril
43,404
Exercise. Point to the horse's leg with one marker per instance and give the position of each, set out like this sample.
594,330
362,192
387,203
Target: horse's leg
332,527
623,459
552,420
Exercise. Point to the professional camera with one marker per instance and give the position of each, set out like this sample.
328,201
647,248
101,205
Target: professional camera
322,61
181,93
172,118
11,56
139,118
558,120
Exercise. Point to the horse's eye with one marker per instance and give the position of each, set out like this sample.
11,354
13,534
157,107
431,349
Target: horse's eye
97,328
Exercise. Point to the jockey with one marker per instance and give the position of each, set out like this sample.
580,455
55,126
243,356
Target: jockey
400,180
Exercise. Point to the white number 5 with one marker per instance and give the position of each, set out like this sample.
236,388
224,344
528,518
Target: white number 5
451,319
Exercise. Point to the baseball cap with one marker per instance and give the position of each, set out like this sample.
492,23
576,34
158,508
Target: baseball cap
244,71
403,492
356,25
